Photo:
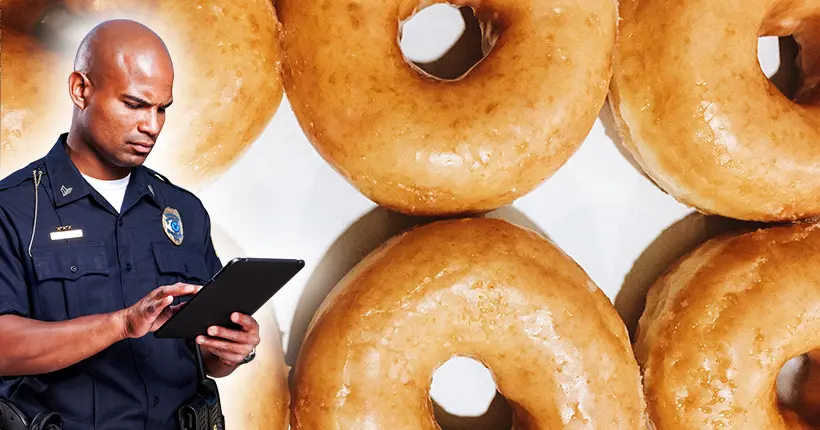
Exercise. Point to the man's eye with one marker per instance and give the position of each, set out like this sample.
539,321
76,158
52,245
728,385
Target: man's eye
131,105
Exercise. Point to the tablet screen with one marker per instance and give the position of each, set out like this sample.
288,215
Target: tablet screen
244,285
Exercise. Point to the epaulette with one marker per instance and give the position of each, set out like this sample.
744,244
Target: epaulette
157,175
162,178
18,177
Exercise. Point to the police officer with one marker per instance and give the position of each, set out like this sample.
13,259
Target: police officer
97,251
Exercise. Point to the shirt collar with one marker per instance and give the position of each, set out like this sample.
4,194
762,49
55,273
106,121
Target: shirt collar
66,181
68,184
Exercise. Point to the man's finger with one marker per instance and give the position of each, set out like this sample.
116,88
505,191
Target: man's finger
156,306
235,348
234,335
171,310
178,289
227,357
246,321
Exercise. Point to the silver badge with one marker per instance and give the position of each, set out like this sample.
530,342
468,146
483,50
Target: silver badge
172,225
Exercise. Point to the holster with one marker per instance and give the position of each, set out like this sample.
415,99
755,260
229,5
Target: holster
203,411
12,418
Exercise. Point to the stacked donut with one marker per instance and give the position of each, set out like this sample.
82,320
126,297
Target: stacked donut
722,322
701,118
420,146
481,288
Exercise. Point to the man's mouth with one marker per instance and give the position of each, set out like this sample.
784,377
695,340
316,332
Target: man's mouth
142,147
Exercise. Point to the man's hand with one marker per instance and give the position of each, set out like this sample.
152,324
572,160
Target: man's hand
153,310
231,346
30,347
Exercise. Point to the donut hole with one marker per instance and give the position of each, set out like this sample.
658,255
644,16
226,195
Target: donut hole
789,381
777,57
445,42
798,388
464,395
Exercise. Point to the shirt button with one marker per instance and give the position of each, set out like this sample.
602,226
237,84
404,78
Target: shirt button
127,267
73,269
155,400
119,223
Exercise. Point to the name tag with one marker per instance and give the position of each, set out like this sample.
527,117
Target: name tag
69,234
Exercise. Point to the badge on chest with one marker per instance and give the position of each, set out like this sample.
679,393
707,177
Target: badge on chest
172,225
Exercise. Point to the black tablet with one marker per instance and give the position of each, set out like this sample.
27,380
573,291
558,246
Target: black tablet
244,285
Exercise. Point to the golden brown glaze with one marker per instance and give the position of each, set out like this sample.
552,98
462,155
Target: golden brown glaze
481,288
720,325
24,15
256,395
427,147
699,115
30,113
227,83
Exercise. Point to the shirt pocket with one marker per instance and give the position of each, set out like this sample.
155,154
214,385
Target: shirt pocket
73,279
179,265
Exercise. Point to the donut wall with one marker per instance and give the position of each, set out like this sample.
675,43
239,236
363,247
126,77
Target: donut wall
529,215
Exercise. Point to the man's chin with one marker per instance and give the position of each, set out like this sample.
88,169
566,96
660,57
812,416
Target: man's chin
132,160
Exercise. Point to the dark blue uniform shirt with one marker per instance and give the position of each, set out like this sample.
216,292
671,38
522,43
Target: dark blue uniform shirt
121,257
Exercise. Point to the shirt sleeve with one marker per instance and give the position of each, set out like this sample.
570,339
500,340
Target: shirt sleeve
211,258
13,289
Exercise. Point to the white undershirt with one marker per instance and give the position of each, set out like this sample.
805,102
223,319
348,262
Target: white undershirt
113,191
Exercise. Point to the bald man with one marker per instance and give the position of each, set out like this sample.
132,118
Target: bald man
97,251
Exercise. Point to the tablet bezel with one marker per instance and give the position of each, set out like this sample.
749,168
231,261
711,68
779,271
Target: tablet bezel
169,329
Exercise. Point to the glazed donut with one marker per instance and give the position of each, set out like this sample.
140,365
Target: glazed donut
28,110
423,146
722,322
482,288
24,15
227,80
699,115
256,395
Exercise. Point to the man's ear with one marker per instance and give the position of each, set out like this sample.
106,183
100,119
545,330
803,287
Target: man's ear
79,88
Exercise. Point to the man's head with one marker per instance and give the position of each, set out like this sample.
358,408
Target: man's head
121,86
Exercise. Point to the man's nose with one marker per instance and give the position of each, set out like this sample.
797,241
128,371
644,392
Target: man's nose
150,123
